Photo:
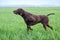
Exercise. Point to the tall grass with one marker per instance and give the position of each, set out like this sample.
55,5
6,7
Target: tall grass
13,27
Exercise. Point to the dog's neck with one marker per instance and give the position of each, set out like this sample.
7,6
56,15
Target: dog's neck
25,14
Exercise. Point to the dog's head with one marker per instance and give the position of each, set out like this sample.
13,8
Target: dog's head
19,11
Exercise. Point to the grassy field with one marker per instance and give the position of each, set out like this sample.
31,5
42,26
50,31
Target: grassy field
13,27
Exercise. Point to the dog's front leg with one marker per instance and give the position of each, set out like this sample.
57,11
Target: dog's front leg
29,28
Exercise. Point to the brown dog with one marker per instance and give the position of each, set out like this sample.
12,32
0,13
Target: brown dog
31,19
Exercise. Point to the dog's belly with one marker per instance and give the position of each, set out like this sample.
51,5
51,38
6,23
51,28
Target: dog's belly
33,22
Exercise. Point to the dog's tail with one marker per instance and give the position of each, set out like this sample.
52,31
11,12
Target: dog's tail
51,14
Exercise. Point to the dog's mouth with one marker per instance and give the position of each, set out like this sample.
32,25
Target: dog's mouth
15,12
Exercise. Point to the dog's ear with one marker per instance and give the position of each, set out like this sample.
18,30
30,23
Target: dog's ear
20,9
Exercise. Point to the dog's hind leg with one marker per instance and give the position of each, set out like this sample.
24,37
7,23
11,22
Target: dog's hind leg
50,27
44,26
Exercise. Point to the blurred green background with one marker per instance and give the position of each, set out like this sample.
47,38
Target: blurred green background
13,27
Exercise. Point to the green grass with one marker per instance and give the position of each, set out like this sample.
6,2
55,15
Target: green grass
13,27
